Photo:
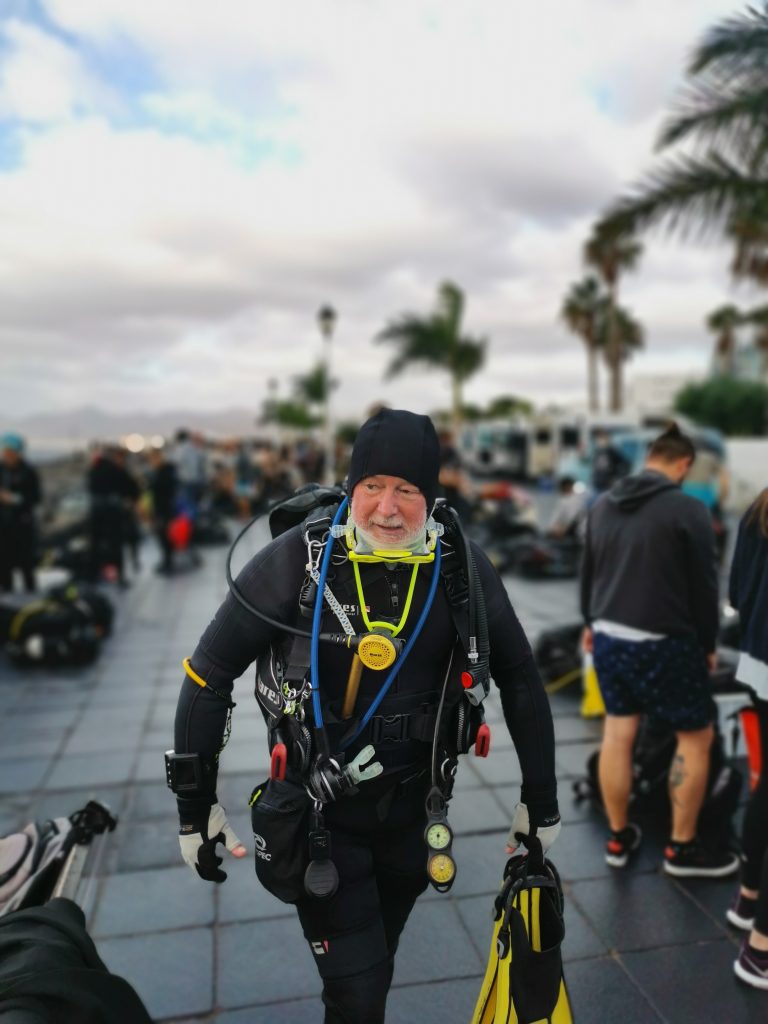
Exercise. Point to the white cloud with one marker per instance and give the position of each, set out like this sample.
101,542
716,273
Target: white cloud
355,153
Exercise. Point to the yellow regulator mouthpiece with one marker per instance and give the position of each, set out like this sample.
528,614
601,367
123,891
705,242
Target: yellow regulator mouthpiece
376,651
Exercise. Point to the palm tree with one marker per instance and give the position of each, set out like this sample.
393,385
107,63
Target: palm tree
721,183
723,321
759,317
312,387
580,311
610,252
628,332
436,340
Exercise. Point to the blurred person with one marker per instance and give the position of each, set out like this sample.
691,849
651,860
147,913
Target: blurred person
649,598
376,828
569,516
112,489
608,464
454,482
19,495
748,593
191,461
163,486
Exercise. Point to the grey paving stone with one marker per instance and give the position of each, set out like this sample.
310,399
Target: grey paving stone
95,740
150,764
696,982
435,945
89,770
642,911
446,1002
242,897
301,1011
150,844
173,977
67,801
151,901
713,895
476,810
500,768
571,758
241,946
480,860
569,729
24,774
601,991
39,747
152,800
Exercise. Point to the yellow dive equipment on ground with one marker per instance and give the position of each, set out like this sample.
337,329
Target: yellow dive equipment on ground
523,981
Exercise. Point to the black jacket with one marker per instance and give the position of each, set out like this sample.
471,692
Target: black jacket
748,588
650,561
23,482
272,580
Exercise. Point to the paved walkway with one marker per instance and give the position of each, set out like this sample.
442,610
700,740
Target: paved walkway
639,946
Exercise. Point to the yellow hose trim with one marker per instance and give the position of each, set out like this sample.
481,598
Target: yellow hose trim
23,614
394,630
563,681
192,674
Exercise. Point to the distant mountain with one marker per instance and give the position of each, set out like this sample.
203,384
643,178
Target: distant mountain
80,427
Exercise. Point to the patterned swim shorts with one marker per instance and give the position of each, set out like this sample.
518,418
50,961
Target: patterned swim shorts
666,679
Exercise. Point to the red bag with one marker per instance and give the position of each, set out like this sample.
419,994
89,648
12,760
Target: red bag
179,531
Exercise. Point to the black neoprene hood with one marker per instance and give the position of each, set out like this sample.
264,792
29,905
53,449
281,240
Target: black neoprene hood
396,442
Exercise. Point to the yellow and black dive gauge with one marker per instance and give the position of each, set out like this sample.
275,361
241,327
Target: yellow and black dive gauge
438,835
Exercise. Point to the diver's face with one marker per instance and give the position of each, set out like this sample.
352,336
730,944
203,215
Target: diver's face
389,509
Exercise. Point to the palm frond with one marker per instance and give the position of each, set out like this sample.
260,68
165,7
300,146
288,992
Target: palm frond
733,45
734,121
686,194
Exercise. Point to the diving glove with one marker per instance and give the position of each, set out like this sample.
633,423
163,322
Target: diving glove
521,826
198,844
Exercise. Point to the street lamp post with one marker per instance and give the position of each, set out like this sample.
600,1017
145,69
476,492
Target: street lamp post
326,319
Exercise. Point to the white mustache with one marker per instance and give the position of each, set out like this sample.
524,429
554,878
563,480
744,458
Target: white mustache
393,524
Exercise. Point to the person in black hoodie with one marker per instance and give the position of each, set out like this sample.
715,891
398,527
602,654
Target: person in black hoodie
748,593
649,597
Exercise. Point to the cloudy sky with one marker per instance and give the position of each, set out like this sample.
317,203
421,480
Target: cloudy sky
183,183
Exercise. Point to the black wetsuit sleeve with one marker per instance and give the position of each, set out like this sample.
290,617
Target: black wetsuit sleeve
523,698
232,641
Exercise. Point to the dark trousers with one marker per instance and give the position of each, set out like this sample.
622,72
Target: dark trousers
382,871
106,530
18,550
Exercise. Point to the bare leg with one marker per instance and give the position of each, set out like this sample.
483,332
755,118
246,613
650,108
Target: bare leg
615,766
688,781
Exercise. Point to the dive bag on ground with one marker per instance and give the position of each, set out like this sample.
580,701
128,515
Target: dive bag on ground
280,820
63,628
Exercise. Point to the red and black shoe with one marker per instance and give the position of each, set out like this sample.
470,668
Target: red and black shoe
622,844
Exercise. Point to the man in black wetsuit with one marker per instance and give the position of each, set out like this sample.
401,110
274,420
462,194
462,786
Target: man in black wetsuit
377,829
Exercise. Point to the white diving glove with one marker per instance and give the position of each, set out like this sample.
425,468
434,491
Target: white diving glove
198,848
521,825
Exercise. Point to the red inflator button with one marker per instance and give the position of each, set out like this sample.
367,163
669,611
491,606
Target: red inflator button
467,681
483,741
279,761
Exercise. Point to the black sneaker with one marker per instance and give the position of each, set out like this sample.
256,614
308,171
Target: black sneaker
752,966
741,913
621,844
692,860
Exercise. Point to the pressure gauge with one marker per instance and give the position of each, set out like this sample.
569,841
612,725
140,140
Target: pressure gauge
438,835
441,869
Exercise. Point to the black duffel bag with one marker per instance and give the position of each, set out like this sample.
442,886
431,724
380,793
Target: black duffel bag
280,819
52,633
90,600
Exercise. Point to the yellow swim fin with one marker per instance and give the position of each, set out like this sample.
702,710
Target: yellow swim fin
524,982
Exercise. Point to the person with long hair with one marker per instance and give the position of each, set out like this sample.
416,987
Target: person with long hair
748,593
